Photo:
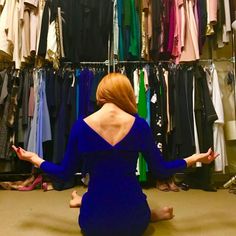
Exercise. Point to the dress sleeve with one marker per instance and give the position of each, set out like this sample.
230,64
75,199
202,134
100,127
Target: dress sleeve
70,163
159,167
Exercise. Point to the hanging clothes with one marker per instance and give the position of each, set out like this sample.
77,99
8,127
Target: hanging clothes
142,111
6,50
85,82
4,104
205,117
40,124
218,131
184,112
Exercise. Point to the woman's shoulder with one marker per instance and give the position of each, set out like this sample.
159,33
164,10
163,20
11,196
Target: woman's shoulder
78,124
142,126
141,121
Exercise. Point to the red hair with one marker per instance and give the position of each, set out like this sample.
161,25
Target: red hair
116,88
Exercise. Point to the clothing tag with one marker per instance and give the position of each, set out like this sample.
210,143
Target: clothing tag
73,82
154,98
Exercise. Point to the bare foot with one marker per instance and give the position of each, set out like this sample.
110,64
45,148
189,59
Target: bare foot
76,200
162,185
165,213
47,186
173,186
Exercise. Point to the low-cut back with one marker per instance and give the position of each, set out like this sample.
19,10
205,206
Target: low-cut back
131,125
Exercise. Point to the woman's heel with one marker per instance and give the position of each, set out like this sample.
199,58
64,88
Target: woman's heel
47,186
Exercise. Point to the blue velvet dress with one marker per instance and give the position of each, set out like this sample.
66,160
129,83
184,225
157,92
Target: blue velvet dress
114,204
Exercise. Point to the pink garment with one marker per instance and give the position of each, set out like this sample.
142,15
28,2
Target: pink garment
182,22
171,28
212,11
31,102
176,51
33,30
191,48
26,36
196,14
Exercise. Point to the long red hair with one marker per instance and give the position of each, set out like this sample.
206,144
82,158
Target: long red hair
116,88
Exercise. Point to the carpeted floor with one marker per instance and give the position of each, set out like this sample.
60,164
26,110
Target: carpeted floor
39,213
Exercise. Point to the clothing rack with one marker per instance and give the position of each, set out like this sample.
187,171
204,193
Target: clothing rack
232,59
116,62
95,62
106,63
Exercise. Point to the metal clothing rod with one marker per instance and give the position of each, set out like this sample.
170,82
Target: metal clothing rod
170,61
232,59
143,62
95,62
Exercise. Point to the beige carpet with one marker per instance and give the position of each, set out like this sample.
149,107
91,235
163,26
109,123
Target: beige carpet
39,213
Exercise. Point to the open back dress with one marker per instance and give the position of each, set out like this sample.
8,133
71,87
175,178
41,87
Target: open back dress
114,204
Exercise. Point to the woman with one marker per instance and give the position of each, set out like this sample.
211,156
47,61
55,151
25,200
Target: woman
109,142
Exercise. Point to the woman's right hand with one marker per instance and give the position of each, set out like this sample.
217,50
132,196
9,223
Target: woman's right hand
27,156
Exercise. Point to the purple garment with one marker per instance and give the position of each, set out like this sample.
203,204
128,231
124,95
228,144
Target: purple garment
172,28
85,83
202,23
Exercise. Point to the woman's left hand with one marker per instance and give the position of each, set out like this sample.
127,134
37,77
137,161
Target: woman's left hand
207,157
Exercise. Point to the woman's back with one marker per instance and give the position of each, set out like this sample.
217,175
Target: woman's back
111,123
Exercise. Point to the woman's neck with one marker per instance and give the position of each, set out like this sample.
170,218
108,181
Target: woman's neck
111,109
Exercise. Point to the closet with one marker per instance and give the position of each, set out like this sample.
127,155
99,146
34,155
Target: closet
178,56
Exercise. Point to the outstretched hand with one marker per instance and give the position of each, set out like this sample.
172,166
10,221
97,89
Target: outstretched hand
27,156
23,154
207,157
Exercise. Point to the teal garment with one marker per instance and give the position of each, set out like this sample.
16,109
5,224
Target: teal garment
148,99
126,27
142,111
120,23
134,47
127,12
